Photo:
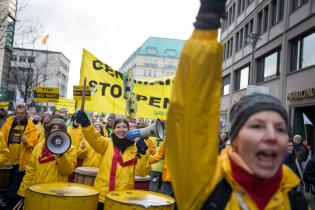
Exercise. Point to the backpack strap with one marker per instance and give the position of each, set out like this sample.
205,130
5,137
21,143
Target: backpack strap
219,197
222,194
297,200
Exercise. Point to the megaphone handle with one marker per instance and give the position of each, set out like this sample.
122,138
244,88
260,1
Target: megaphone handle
83,94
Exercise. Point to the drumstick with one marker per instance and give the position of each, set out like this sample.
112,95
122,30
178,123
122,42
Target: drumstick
83,95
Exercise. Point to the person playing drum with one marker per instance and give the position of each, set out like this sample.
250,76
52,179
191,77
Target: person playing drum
119,162
45,167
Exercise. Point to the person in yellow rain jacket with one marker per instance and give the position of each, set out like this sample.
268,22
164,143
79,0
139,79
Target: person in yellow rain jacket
4,151
45,118
166,187
45,167
87,153
75,133
20,134
119,162
250,173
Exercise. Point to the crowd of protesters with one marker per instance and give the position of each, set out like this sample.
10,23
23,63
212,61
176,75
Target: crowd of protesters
254,166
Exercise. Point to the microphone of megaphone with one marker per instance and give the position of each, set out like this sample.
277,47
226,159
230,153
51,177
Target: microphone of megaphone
58,142
156,129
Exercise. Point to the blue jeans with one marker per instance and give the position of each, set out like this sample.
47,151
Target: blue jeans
155,181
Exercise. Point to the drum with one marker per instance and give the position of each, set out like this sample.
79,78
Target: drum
58,195
4,177
138,199
85,175
142,183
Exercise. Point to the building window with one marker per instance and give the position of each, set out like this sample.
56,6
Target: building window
152,50
150,73
297,3
268,66
302,52
145,72
241,78
22,58
248,29
31,59
239,40
170,52
241,6
226,85
276,11
14,58
262,23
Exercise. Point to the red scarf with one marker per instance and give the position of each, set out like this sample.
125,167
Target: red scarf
118,159
259,189
46,156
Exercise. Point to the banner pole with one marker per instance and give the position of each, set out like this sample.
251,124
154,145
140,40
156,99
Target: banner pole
83,94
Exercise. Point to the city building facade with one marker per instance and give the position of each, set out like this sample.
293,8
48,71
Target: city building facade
280,63
156,57
7,26
40,68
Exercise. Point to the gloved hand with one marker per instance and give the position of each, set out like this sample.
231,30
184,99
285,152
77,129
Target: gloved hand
141,146
83,119
209,14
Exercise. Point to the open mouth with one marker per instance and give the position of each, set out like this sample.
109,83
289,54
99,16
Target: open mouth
267,157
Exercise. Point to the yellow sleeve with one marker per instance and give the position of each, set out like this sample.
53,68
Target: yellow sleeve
159,155
4,151
83,153
192,127
29,172
31,135
67,162
142,166
151,146
95,139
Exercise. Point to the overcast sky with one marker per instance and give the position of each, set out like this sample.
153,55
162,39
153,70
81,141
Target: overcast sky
110,29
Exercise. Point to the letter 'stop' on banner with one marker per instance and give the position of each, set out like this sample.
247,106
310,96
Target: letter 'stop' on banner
108,90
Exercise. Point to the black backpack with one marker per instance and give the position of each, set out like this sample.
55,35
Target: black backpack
222,193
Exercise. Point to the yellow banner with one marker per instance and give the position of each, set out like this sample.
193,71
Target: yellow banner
108,94
68,104
4,105
77,93
46,94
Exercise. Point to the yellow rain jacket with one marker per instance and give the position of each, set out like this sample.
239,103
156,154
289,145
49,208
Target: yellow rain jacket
89,156
4,151
191,149
151,146
159,156
41,132
124,178
23,151
53,171
76,136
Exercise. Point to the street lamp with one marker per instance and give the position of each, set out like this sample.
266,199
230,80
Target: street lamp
252,39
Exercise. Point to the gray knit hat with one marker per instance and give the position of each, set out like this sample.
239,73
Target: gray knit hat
55,121
251,104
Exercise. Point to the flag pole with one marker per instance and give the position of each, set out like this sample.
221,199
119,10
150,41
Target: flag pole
83,94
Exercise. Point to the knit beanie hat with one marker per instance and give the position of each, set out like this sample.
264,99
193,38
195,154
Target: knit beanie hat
251,104
55,121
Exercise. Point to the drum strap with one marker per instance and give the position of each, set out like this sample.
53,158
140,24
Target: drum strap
118,159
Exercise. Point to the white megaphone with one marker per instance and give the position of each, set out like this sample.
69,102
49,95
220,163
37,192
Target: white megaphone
156,129
58,142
